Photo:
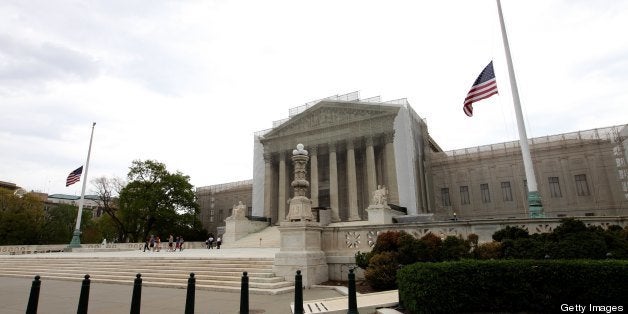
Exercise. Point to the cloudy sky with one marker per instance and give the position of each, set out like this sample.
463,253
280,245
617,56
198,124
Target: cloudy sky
187,83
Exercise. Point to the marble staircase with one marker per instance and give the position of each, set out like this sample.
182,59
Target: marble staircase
216,274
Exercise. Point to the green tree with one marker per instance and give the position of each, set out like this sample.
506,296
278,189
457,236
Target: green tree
21,218
59,224
155,200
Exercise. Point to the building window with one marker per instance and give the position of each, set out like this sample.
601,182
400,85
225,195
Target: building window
486,195
444,193
464,195
211,215
582,188
506,192
554,186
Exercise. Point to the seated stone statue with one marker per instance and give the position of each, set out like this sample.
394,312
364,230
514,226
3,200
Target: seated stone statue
380,196
238,212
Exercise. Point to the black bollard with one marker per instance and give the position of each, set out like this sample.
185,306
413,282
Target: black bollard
353,302
298,293
244,294
189,300
136,299
84,298
33,299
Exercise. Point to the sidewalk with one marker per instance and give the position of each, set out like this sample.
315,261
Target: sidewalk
62,297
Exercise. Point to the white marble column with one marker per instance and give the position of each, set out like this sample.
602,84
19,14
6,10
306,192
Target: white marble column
314,176
391,169
268,184
371,176
352,182
282,188
333,183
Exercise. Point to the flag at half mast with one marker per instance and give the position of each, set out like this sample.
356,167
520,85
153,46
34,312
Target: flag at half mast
74,176
484,87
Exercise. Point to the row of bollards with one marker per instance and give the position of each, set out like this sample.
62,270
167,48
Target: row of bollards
136,298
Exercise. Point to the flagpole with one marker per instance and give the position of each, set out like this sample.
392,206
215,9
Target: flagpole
534,198
76,237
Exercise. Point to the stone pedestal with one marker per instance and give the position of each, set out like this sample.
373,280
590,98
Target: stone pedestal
301,250
236,229
382,214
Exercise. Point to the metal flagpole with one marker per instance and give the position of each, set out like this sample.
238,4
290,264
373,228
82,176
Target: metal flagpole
76,237
534,198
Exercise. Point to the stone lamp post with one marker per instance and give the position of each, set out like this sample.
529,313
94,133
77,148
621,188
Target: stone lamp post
300,235
300,205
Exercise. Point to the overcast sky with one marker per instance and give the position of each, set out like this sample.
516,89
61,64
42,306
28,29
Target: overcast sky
187,83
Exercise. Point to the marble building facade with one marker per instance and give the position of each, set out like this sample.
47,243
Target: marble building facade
356,145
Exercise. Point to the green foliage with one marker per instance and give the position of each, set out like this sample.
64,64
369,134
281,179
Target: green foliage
511,285
572,239
382,271
509,232
430,248
362,259
455,248
21,218
157,201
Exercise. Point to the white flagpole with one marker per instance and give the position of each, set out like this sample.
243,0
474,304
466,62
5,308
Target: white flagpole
534,198
76,237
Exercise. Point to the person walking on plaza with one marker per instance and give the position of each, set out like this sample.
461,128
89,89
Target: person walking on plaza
176,244
146,244
152,243
180,243
210,241
170,240
158,243
218,242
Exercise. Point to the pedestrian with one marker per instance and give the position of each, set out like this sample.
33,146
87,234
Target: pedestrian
158,242
146,244
170,240
152,242
211,242
218,242
180,243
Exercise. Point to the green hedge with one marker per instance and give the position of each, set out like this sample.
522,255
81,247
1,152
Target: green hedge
511,285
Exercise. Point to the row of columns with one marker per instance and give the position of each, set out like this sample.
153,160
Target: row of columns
352,191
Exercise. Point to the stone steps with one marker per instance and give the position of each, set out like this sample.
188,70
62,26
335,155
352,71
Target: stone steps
216,274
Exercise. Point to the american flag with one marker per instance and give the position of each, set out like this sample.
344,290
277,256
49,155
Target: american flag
74,176
484,86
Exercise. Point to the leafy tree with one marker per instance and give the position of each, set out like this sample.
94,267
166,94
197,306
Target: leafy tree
108,190
21,218
155,200
510,233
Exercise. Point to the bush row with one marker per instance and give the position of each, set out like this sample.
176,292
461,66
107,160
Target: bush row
512,285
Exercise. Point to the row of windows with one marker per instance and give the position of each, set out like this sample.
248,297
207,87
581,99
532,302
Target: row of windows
582,189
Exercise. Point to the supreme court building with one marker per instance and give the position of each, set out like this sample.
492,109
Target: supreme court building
356,145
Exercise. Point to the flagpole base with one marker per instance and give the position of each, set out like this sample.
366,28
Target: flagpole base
76,240
534,205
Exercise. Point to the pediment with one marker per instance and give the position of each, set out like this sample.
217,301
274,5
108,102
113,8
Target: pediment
326,114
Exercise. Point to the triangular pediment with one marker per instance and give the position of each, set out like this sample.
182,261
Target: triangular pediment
332,114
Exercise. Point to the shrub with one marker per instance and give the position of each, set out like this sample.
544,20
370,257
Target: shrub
511,285
387,242
473,239
430,248
381,273
362,259
454,249
489,250
510,233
